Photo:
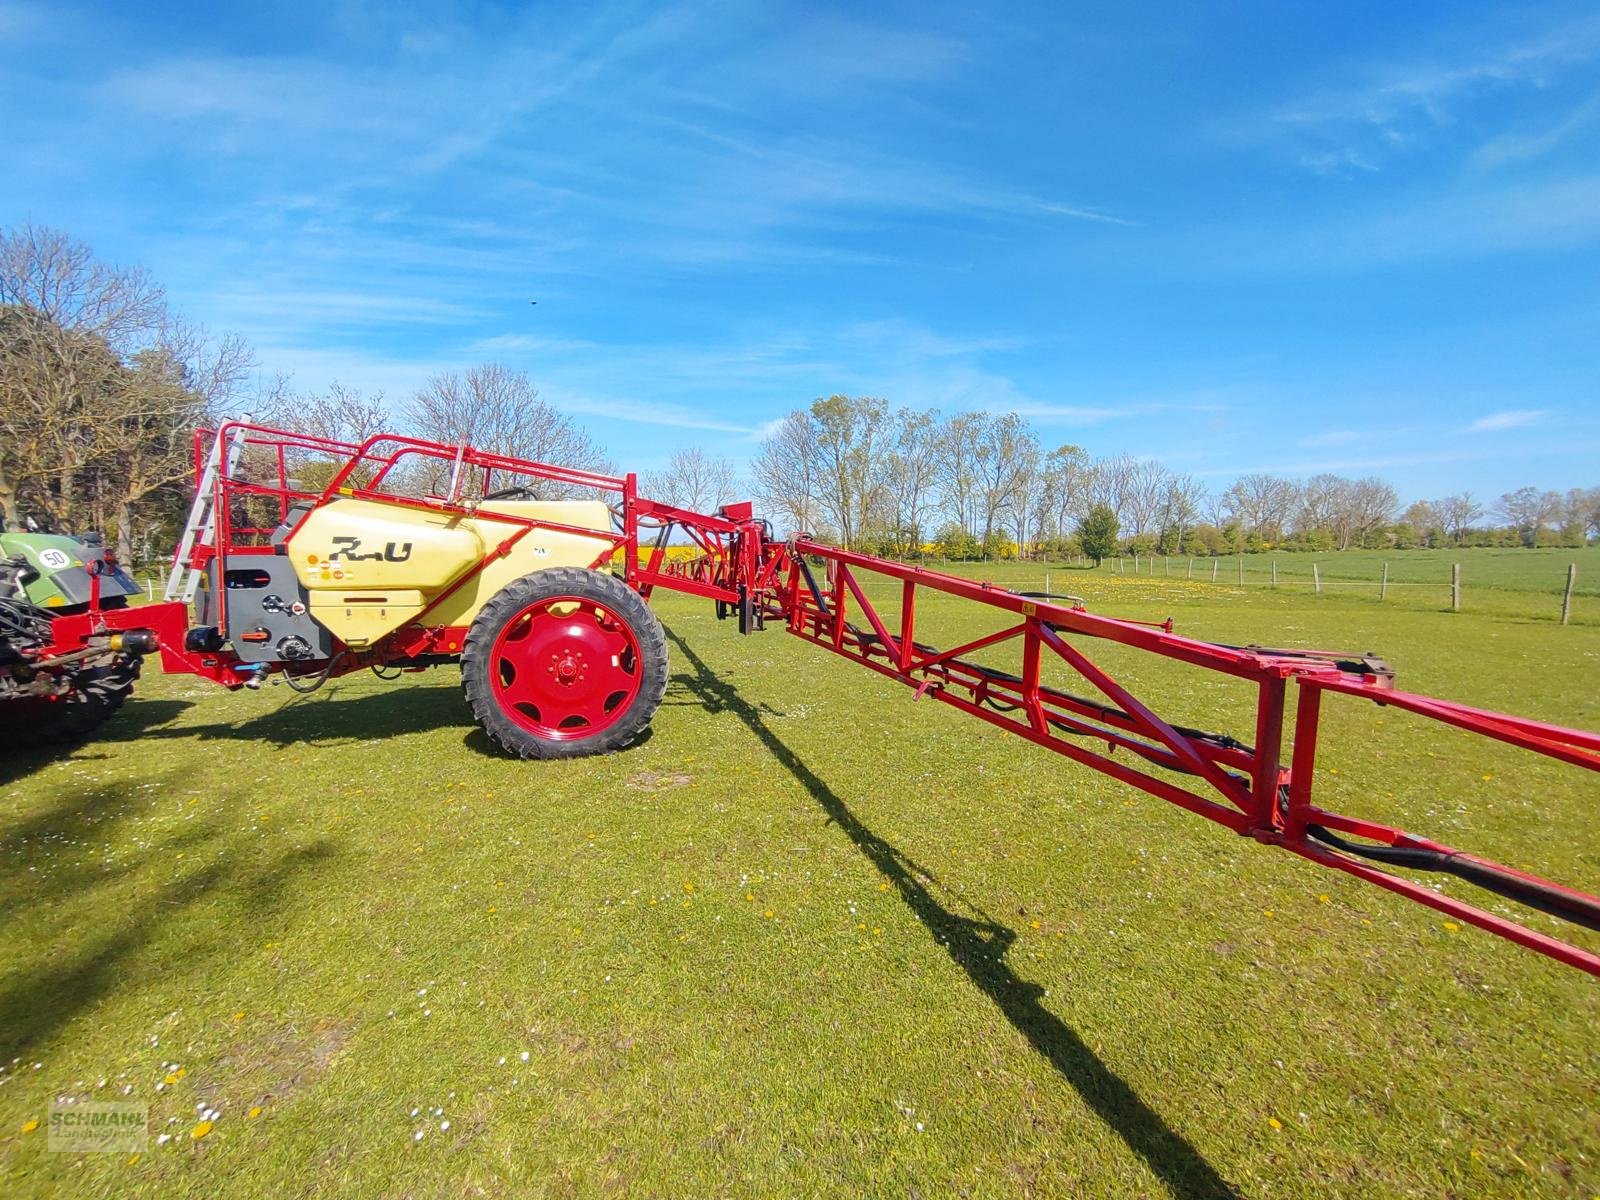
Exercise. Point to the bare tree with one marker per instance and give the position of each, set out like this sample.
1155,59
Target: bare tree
70,323
851,434
692,479
1320,500
185,380
1144,495
344,414
1583,511
1027,492
786,471
499,410
958,467
1180,507
911,472
1370,505
1457,513
1262,504
1005,449
1529,510
1066,485
1109,484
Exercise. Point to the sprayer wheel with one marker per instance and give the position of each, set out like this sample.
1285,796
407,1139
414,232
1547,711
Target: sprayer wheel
563,663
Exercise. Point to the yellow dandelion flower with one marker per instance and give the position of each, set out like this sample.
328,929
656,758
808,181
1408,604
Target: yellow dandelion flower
1451,927
876,930
253,1113
1033,924
861,925
1268,912
883,887
769,914
749,895
181,1072
1487,778
688,887
1323,899
200,1130
29,1126
239,1016
492,908
1274,1123
171,1078
133,1159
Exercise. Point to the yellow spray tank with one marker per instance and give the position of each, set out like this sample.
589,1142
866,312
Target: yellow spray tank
371,567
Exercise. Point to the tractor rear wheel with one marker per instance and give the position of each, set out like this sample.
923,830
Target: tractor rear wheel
563,663
42,721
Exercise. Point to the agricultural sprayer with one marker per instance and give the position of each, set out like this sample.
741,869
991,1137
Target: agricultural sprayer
305,559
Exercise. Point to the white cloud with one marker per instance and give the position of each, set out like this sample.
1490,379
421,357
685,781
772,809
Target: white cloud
1510,148
1514,418
1393,109
643,412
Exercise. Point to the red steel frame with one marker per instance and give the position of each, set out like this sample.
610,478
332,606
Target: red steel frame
1246,788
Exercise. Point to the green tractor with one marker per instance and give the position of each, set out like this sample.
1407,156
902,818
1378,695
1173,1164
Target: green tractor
47,695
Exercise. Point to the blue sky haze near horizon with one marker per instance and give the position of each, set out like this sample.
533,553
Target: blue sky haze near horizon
1361,238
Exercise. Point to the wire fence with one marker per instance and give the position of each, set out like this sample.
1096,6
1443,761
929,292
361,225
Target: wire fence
1450,585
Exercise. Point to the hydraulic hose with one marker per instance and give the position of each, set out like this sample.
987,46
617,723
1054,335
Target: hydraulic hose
1580,910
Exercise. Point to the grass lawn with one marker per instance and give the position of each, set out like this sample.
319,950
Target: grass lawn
809,938
1508,582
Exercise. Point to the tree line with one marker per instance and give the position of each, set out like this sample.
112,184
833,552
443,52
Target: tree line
102,384
972,485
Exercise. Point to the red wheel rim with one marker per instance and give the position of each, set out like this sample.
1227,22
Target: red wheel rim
566,668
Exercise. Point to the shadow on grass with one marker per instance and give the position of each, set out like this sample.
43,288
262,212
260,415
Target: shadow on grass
38,1002
136,719
331,717
89,937
978,945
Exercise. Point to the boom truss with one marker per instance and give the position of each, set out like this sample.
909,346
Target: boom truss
1262,789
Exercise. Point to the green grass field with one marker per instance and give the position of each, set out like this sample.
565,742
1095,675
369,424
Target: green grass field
1509,582
809,938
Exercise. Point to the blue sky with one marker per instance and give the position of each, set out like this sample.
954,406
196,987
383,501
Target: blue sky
1291,237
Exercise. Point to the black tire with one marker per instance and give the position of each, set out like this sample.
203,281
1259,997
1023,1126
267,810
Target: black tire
484,667
30,723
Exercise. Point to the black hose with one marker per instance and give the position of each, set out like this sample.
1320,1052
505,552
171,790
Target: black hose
1538,896
320,679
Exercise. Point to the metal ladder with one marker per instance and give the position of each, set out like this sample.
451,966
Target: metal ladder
184,580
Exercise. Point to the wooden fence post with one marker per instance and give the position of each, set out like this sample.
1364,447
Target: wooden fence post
1215,563
1566,598
1191,566
1383,584
1316,579
1455,587
1166,561
1274,572
1241,568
